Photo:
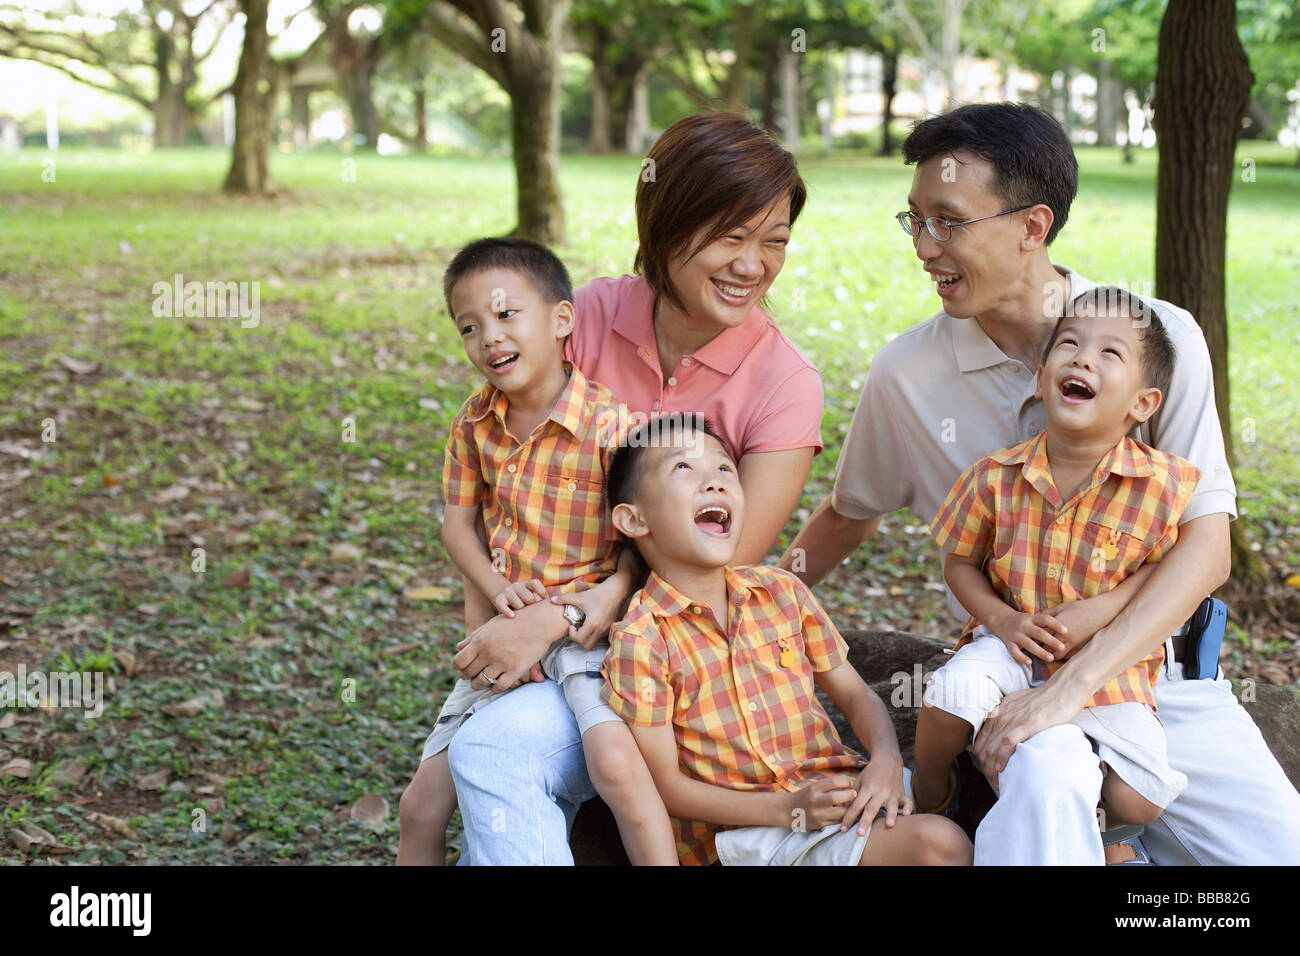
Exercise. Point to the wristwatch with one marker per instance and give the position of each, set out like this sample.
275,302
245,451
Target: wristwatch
574,615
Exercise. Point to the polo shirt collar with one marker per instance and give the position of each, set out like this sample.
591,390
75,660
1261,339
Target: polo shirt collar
566,412
723,353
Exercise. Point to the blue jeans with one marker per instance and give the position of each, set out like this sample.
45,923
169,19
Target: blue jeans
520,778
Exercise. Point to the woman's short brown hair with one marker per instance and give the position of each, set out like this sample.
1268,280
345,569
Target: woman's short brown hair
711,171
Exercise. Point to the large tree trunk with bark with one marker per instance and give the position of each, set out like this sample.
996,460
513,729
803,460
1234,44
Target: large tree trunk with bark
600,139
1203,83
250,156
790,112
421,119
888,88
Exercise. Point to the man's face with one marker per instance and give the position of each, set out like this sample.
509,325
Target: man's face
1092,382
510,334
689,501
980,265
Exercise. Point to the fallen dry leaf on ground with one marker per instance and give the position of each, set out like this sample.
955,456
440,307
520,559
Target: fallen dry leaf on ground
372,808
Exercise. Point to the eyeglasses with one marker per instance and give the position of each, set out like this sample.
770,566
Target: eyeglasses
942,228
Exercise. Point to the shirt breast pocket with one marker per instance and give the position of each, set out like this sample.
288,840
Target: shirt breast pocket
1113,550
781,650
568,493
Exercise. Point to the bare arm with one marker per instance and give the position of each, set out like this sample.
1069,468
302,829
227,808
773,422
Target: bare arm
1197,564
1023,633
467,550
776,479
827,539
693,799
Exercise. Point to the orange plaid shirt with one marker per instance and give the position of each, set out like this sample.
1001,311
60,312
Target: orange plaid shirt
743,718
1042,551
543,499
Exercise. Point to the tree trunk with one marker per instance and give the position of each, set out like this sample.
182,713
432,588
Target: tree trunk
250,156
638,114
735,94
1203,83
164,107
768,104
790,99
600,139
300,115
421,120
535,85
888,87
1105,105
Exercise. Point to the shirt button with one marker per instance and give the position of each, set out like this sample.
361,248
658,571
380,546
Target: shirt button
1051,572
573,486
1060,519
752,706
509,521
672,381
697,609
686,361
512,469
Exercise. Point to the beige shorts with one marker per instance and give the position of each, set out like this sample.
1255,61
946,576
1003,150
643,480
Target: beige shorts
567,663
1128,738
782,846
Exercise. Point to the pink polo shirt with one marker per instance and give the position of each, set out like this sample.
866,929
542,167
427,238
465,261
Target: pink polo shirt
757,389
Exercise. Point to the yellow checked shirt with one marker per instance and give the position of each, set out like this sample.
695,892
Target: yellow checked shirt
740,696
1042,551
543,499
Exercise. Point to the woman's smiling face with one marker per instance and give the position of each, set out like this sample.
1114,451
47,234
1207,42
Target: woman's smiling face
725,279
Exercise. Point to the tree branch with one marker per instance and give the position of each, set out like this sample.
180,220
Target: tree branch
469,44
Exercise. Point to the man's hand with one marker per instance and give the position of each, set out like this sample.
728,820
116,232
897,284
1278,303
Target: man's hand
1032,633
603,605
518,595
1021,714
880,784
821,802
505,649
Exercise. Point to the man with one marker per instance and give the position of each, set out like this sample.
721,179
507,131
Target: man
992,188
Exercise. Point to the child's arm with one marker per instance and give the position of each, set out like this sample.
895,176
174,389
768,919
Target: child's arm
1087,616
465,548
1019,631
822,801
880,784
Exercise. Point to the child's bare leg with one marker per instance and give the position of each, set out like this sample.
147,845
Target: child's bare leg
1124,805
620,776
424,812
940,738
921,839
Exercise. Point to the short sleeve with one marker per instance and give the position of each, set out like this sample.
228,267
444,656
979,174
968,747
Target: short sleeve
594,305
636,677
791,418
964,524
462,472
1187,422
1183,478
870,478
823,643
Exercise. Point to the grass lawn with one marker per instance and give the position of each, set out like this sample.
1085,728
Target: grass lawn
203,527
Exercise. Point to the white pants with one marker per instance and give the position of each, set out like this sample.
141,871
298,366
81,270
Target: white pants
1239,808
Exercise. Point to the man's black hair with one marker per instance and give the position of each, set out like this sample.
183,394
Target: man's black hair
1032,159
542,267
1157,348
625,469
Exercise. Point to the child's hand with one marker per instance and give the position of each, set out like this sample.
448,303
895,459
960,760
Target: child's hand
821,802
880,785
602,604
1030,633
1081,620
517,595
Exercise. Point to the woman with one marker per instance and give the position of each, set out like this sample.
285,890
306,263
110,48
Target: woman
715,205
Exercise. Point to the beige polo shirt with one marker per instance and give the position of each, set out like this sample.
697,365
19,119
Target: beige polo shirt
942,395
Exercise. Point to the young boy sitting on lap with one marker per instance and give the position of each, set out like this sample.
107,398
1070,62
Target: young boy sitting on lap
527,453
1063,516
715,669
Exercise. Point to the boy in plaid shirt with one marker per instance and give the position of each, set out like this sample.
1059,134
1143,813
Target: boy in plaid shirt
715,669
527,456
1063,516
